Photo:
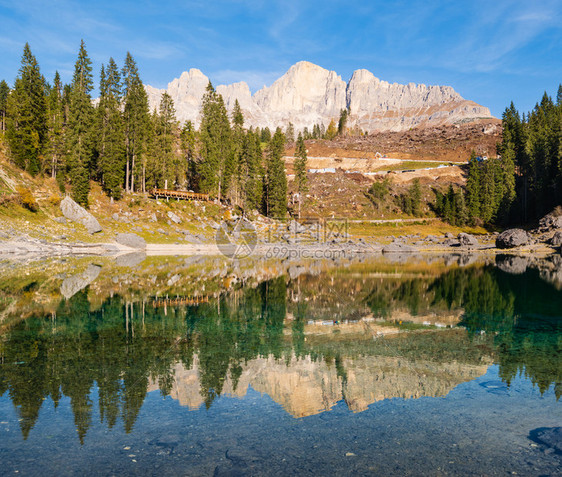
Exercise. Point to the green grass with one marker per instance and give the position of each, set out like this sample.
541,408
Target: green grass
407,165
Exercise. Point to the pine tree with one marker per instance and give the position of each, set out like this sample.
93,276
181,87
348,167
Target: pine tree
165,167
473,198
4,92
238,173
136,116
188,147
276,178
110,132
215,139
27,115
301,180
55,125
342,123
290,133
80,134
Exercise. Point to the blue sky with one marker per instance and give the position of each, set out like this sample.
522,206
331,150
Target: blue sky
491,52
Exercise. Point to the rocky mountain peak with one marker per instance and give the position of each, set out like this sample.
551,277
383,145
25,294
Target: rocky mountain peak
308,94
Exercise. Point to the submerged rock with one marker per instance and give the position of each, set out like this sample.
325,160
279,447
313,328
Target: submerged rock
512,238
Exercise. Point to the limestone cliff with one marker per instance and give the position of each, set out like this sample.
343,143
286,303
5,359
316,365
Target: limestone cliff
309,94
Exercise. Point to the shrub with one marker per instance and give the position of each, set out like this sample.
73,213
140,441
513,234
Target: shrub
55,200
27,199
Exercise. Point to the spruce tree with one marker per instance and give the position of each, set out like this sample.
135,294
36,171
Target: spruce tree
239,172
473,197
55,125
110,132
27,115
276,178
215,139
188,147
300,166
342,123
165,160
136,116
4,92
80,133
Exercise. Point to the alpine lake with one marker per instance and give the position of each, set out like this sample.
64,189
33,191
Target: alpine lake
426,365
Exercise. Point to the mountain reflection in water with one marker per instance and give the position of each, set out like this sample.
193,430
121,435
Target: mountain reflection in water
353,334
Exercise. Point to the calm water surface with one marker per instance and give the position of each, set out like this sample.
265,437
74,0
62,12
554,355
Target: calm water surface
374,368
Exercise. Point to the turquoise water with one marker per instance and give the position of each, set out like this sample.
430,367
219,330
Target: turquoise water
367,369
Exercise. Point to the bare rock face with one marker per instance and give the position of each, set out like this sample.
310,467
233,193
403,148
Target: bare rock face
512,238
72,211
309,94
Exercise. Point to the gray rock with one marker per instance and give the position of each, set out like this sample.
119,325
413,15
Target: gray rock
449,235
451,242
173,280
551,437
131,240
72,285
512,238
550,222
115,217
72,211
174,218
556,240
153,218
214,225
397,247
60,220
467,240
130,259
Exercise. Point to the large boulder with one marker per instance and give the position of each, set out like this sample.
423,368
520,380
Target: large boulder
512,238
467,240
72,211
131,240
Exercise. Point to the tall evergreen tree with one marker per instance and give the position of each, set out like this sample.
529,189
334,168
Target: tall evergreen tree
215,139
55,124
164,168
342,123
4,92
110,132
188,147
80,134
136,115
276,178
27,115
473,198
301,180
